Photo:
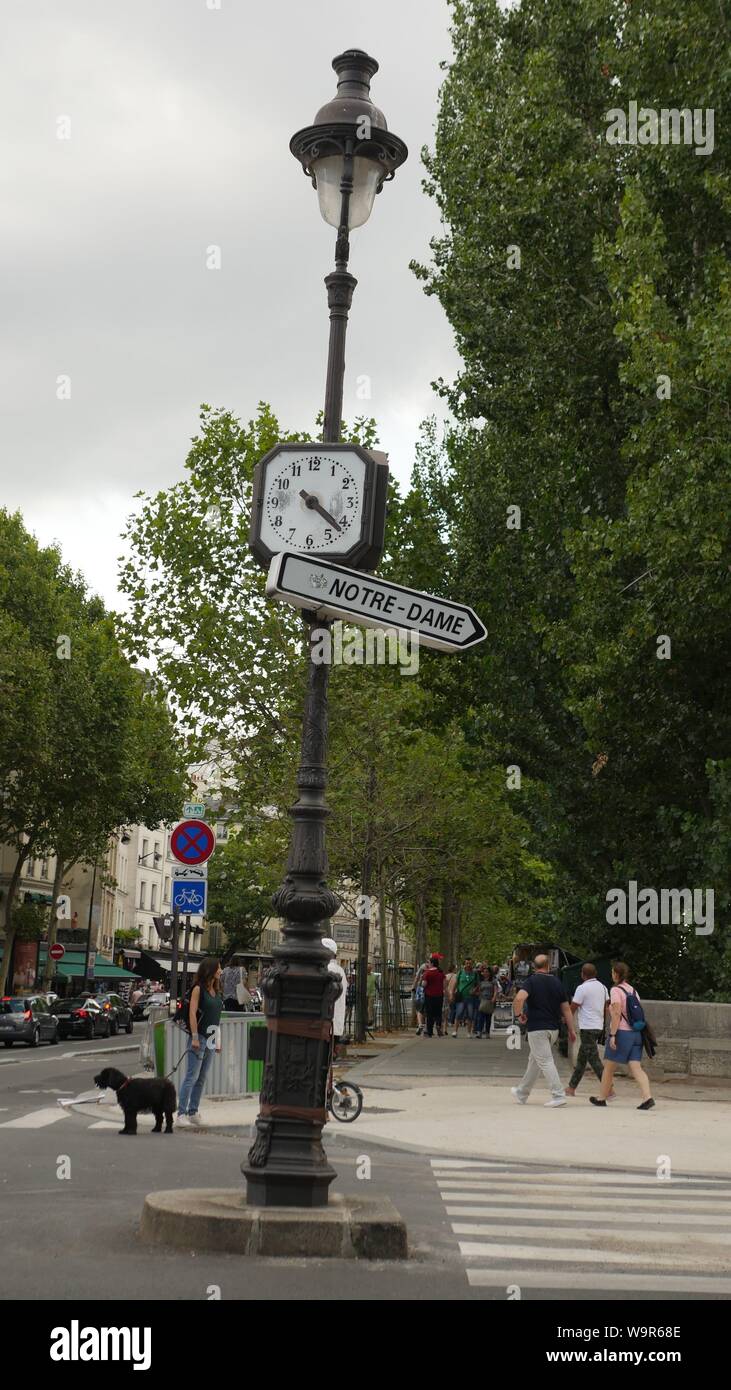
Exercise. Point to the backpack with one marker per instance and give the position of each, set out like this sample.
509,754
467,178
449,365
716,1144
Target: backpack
182,1010
634,1012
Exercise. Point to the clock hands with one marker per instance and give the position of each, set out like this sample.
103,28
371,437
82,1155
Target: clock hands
312,502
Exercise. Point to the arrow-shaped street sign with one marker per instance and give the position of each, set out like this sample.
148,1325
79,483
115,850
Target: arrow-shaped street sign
334,592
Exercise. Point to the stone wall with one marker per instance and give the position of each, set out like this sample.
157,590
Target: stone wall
692,1039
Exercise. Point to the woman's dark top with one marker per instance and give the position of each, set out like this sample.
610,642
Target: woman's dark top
210,1006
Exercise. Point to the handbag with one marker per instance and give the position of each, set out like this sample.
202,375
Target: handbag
242,994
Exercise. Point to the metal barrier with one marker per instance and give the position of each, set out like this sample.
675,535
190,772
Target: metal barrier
235,1071
389,1004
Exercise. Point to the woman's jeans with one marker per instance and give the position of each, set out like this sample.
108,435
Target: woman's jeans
465,1009
482,1023
196,1069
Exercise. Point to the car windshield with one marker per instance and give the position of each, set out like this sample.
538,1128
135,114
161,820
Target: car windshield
13,1006
78,1003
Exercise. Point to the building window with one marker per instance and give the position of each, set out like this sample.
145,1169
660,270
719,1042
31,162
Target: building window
156,857
145,843
44,869
153,897
143,886
166,899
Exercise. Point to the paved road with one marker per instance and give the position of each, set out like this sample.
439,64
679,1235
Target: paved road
478,1230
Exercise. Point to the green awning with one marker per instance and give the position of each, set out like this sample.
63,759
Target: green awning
72,965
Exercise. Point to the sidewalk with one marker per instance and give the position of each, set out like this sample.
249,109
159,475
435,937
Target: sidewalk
451,1097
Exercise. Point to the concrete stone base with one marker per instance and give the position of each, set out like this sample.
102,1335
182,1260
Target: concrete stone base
220,1219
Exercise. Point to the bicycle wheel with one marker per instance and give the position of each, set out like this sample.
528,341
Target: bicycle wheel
346,1101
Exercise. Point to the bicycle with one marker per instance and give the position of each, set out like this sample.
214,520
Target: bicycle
344,1098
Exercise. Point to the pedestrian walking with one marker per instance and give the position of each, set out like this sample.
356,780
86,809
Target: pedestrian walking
543,998
624,1042
203,1024
434,996
486,1002
450,1004
589,1002
467,987
420,998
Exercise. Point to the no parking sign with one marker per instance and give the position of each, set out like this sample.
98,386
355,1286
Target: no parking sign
192,842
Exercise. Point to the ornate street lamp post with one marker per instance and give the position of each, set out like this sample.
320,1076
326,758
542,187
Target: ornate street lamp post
349,154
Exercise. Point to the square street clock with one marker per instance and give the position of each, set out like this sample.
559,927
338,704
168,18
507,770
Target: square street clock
321,499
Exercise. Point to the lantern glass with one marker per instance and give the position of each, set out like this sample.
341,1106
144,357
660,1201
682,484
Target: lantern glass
367,175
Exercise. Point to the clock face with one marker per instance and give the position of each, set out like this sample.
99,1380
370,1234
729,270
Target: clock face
313,501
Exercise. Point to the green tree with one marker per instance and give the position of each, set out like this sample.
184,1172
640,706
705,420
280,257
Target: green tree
581,279
99,748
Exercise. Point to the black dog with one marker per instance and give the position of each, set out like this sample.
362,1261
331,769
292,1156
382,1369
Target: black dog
135,1093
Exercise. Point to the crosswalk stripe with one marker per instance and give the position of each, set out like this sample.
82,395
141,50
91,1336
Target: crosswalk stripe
658,1284
577,1181
711,1219
597,1205
105,1124
571,1238
35,1119
477,1250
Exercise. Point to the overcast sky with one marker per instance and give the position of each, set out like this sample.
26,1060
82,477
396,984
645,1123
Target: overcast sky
180,119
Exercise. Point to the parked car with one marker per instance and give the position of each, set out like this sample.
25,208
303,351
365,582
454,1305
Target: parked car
120,1014
82,1017
27,1019
141,1010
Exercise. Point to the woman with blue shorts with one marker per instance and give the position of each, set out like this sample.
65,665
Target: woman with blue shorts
624,1045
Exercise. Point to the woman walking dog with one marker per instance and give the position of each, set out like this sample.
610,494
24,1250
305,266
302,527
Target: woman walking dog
203,1024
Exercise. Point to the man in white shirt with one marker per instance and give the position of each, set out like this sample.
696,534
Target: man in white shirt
336,968
590,1001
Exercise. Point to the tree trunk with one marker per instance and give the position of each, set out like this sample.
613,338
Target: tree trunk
398,1013
361,997
9,906
386,973
53,925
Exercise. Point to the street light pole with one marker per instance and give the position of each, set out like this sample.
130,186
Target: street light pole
348,153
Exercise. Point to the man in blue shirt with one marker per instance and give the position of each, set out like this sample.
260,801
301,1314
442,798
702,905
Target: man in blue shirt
540,1004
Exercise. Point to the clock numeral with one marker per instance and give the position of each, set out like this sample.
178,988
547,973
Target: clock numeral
296,470
291,532
328,534
309,542
345,482
332,470
277,521
274,501
314,465
350,501
283,482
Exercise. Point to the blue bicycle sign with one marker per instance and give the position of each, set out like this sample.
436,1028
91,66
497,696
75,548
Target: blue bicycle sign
189,896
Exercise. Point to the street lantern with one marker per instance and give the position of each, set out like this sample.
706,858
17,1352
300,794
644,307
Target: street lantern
349,154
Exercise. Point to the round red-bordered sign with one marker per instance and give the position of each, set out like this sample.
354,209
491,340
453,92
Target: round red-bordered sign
57,951
192,842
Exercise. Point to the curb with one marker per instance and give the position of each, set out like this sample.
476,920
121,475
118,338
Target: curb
109,1051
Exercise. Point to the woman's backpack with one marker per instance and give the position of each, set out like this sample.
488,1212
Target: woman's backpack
182,1010
634,1012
